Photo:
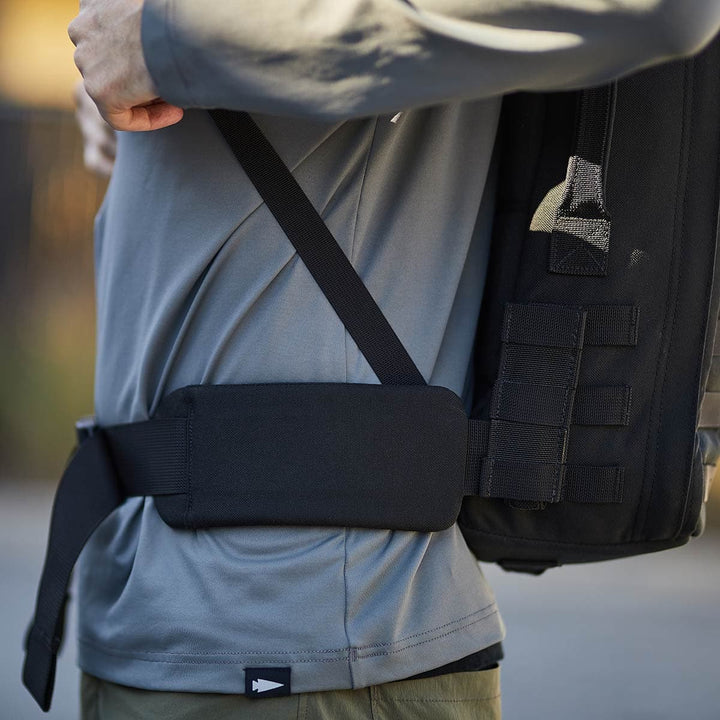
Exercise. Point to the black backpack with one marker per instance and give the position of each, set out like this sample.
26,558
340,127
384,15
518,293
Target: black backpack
627,230
593,349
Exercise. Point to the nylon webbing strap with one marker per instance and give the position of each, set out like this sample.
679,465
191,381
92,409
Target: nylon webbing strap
593,405
478,440
319,250
532,408
87,494
580,239
598,405
329,445
581,483
151,457
611,325
145,458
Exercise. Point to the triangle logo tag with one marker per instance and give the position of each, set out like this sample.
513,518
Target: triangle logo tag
263,685
263,682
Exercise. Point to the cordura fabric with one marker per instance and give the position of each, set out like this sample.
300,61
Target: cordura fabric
660,260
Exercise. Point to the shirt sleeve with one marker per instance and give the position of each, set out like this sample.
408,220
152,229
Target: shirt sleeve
337,59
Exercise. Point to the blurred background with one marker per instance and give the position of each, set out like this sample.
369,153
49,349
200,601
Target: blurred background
47,203
635,639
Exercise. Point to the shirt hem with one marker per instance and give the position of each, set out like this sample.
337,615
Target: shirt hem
312,671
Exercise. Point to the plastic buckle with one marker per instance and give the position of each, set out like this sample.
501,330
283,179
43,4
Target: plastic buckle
85,428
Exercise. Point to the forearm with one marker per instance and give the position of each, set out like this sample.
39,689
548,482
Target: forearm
334,59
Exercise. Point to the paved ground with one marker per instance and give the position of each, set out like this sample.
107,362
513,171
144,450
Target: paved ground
627,640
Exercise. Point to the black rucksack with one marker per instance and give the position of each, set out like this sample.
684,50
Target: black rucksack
627,231
593,350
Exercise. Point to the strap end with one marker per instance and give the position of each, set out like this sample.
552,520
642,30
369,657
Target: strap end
39,668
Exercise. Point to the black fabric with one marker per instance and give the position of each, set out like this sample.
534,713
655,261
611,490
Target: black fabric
538,365
527,481
514,442
553,326
580,246
151,457
580,239
478,439
527,402
611,325
544,404
484,659
533,405
605,326
602,405
319,454
528,440
590,484
650,318
318,249
87,494
259,681
537,482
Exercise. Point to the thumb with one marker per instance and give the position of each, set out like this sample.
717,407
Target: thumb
151,116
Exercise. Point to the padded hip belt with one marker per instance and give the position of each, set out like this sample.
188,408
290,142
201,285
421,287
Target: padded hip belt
302,454
399,457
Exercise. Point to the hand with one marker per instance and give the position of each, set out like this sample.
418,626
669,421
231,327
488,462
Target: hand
99,140
109,55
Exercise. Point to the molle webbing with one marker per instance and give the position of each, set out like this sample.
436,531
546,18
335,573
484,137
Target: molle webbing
533,406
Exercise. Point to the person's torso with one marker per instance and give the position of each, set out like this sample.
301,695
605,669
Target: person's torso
196,283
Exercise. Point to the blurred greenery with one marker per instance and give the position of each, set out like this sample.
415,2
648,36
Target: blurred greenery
47,384
47,321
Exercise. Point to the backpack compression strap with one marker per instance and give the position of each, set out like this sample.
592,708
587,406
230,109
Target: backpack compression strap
580,238
204,451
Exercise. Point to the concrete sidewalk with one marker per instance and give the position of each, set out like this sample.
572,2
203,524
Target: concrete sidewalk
635,639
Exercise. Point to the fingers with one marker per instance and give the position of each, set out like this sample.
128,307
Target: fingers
99,140
96,162
109,54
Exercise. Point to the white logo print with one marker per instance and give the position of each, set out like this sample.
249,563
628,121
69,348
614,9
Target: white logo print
265,685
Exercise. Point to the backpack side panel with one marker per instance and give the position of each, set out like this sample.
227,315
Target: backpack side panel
662,190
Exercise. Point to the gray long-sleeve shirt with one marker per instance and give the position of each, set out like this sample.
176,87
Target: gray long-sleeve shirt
197,284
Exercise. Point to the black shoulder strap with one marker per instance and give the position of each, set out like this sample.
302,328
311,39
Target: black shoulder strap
318,249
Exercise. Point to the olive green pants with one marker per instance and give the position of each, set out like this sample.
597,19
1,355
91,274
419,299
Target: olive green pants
459,696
